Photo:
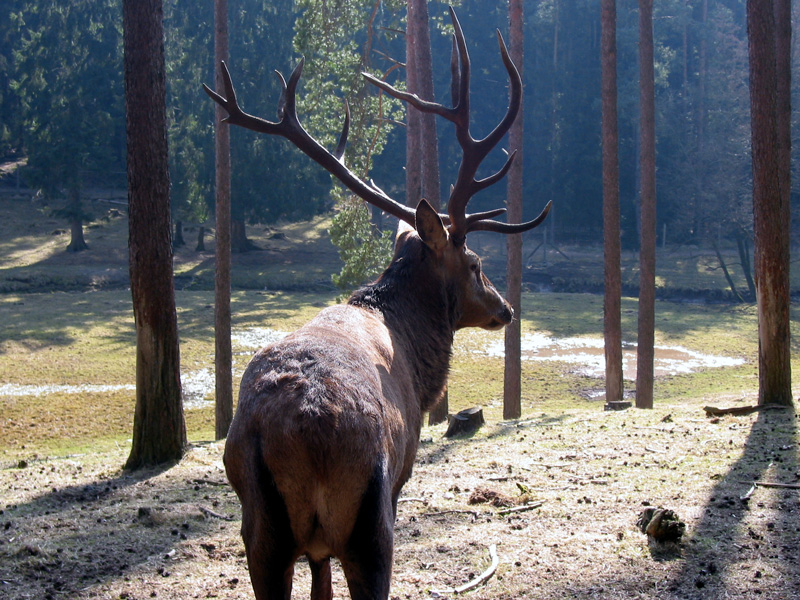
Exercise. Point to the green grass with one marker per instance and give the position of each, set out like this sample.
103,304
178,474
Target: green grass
88,338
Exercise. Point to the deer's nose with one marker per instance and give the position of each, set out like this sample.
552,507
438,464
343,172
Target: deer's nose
506,315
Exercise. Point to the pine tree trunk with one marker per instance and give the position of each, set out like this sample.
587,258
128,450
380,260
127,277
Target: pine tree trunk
413,123
422,147
770,201
178,240
647,252
512,381
612,324
223,355
77,242
159,430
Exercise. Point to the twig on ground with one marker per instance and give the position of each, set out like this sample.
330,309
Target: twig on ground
524,507
453,511
479,580
423,500
211,513
209,482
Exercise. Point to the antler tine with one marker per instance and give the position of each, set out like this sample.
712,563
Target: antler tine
289,127
499,227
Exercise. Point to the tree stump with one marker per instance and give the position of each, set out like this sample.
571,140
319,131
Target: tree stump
468,420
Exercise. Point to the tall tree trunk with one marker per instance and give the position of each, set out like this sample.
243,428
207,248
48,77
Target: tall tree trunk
413,117
612,278
223,355
238,233
429,141
159,430
647,252
77,242
771,227
512,382
178,240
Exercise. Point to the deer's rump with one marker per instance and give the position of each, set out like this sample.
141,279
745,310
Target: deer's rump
320,432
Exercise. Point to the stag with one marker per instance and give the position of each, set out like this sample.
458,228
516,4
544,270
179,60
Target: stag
328,421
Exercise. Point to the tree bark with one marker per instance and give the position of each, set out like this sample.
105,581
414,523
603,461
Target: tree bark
770,203
159,430
512,380
178,240
77,242
422,148
647,252
238,234
612,275
413,119
223,355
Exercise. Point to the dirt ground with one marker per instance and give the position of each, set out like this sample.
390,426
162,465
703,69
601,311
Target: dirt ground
79,527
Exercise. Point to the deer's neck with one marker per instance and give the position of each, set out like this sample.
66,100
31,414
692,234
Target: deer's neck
419,310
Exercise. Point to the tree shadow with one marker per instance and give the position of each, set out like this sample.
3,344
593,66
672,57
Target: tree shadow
744,529
76,536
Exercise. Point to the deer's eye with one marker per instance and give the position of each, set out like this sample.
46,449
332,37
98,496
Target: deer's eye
475,268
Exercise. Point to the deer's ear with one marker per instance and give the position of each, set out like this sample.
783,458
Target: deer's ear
430,227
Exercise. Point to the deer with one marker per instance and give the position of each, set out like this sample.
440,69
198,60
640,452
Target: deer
328,419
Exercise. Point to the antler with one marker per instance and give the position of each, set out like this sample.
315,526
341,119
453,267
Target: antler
474,151
290,128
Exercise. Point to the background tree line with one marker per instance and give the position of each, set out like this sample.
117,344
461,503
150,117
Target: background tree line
61,106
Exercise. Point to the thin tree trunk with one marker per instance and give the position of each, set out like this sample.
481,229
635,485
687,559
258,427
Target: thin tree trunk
747,267
413,121
647,252
429,143
770,224
727,274
425,148
612,278
159,430
223,355
512,383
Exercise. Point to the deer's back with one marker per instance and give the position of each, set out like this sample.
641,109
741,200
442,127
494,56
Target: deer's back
325,411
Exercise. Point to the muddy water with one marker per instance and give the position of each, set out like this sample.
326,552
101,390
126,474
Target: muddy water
587,354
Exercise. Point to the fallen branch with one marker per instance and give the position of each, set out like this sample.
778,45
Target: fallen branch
524,507
712,411
770,484
211,513
480,579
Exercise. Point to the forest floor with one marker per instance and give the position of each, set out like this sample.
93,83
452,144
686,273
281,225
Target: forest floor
78,527
74,525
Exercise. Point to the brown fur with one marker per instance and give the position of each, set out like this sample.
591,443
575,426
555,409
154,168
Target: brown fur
328,421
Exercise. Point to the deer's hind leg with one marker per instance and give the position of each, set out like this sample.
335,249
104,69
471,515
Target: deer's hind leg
321,586
268,539
367,564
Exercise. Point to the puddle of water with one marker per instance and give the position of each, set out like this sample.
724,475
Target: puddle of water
589,355
14,389
198,386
